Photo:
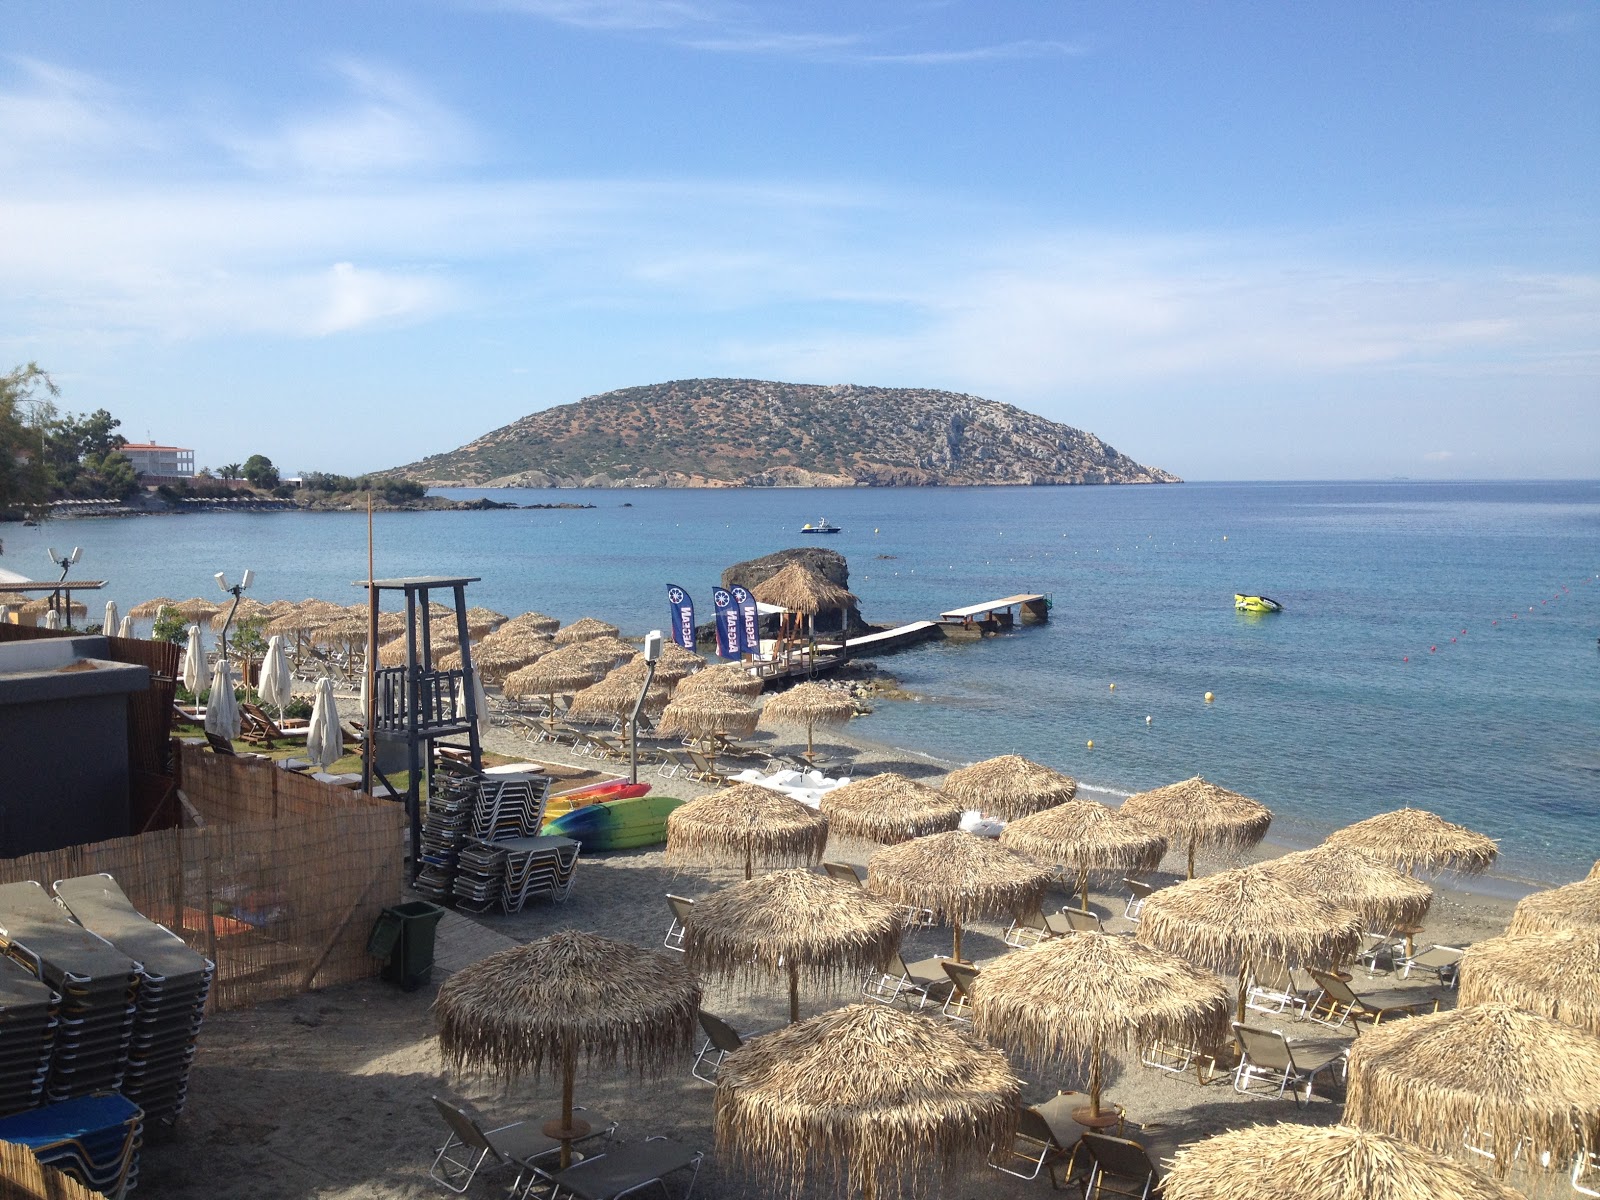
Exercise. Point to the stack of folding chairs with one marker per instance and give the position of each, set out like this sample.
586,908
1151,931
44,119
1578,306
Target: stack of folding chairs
27,1036
509,806
447,823
505,861
480,876
96,983
95,1139
173,983
537,866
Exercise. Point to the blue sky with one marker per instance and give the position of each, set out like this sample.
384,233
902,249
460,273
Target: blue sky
1236,240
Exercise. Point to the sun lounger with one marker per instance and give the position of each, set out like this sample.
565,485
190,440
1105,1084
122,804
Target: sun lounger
1034,1148
259,729
1082,920
721,1040
681,907
1272,990
625,1169
1266,1054
1339,1004
843,872
924,979
958,1004
1118,1167
1035,927
1138,893
704,769
470,1148
1442,962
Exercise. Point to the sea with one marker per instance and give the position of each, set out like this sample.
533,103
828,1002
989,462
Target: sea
1437,645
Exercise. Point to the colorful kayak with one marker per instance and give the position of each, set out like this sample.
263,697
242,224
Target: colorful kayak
616,824
595,793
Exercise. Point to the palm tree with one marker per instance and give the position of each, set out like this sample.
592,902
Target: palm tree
232,471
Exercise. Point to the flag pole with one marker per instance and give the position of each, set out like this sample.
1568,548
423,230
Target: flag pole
371,663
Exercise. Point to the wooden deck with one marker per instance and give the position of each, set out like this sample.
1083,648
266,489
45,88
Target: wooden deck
996,616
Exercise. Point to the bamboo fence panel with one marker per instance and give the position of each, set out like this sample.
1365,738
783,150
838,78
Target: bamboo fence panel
24,1177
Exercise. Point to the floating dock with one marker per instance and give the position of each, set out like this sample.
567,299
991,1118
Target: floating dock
996,616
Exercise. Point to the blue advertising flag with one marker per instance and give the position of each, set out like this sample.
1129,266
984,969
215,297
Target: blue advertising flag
749,620
681,616
727,623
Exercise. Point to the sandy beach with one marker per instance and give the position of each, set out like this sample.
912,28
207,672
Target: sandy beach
327,1094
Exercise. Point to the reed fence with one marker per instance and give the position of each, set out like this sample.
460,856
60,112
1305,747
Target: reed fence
24,1177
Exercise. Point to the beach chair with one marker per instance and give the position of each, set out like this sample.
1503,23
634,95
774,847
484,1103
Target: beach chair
897,978
1177,1058
1138,893
220,745
1442,962
1081,920
470,1149
843,872
681,906
281,731
1118,1167
958,1004
704,769
1034,1148
1338,1004
673,762
1586,1173
625,1169
1035,927
721,1040
1265,1054
1272,990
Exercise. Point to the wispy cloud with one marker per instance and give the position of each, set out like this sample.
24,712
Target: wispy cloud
618,15
54,113
999,52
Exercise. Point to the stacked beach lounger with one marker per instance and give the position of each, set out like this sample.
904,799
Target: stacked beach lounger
173,983
505,861
95,1139
27,1036
447,824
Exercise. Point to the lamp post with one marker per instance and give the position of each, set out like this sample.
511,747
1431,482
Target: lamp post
652,655
237,591
64,561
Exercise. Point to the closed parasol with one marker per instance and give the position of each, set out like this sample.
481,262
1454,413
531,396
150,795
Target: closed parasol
324,738
1196,813
193,661
222,709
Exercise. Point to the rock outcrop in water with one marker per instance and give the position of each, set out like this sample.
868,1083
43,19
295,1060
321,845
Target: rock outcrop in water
754,433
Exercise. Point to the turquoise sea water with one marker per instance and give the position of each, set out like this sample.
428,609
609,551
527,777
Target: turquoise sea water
1494,721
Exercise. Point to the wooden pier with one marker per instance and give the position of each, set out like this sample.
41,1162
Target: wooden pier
996,616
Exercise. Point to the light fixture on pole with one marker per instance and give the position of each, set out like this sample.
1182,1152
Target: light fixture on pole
652,655
237,591
65,562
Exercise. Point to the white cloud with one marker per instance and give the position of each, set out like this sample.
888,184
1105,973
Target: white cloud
999,52
58,113
610,14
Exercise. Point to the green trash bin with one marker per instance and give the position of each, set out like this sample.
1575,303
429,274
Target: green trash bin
403,935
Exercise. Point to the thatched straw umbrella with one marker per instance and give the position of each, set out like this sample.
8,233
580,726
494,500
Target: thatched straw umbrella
1574,908
1085,837
614,650
1320,1162
889,808
864,1099
151,608
1227,920
532,622
791,923
723,677
1488,1069
747,824
1594,871
196,608
1196,813
249,607
496,659
564,670
76,609
583,629
614,697
705,714
676,664
1413,837
1063,1002
802,590
537,1006
809,704
959,876
1385,896
1010,786
483,621
1554,974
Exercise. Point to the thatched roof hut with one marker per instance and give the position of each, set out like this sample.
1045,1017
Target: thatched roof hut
1010,786
889,808
800,589
707,713
583,629
1320,1162
788,924
1086,837
863,1099
809,704
1063,1002
537,1007
1413,837
1554,974
721,677
1492,1070
1385,896
960,876
1196,813
746,824
151,608
1574,908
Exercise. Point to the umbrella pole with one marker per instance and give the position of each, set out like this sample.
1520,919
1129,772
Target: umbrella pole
1191,858
810,750
569,1068
749,857
794,993
1095,1084
957,951
1239,1009
1083,885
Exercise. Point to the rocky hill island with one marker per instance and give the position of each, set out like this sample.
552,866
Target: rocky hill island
755,433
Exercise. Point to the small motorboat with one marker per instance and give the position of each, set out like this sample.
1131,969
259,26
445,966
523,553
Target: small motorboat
821,526
1255,604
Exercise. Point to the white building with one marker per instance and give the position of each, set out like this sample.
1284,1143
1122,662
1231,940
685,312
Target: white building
171,462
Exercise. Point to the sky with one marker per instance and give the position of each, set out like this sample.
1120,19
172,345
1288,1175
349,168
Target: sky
1235,240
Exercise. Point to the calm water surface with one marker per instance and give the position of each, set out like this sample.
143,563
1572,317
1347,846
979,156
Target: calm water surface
1493,721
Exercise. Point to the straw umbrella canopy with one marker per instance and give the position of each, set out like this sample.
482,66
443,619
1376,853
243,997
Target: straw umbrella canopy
248,607
1227,920
1010,786
958,875
1196,813
614,697
583,629
809,704
723,677
1554,974
1594,871
1489,1069
864,1099
533,622
1084,836
196,608
151,608
77,608
705,714
746,824
1574,908
536,1007
564,670
482,621
1066,1000
1385,896
1320,1162
791,923
800,589
613,650
676,664
889,808
1413,837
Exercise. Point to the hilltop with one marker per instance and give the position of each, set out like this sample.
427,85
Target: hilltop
754,433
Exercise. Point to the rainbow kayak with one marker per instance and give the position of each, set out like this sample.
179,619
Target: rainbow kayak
616,824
